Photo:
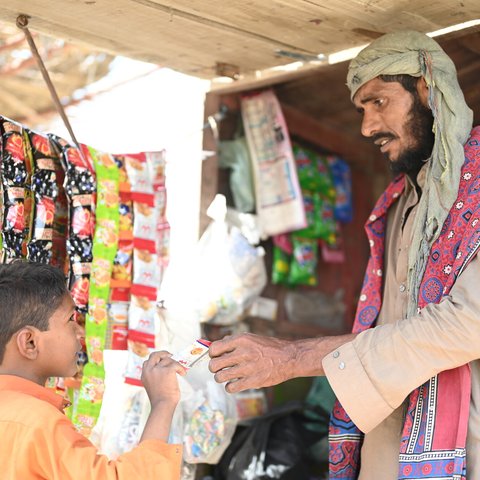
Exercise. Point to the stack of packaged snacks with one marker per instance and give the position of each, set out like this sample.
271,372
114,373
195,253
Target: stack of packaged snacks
157,161
17,194
80,187
146,272
45,190
61,221
342,181
326,189
105,244
318,192
121,280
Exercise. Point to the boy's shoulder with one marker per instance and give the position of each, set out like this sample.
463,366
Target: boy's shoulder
27,410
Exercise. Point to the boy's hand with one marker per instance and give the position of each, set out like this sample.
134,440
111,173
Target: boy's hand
159,377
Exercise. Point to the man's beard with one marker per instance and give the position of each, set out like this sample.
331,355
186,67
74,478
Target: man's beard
419,127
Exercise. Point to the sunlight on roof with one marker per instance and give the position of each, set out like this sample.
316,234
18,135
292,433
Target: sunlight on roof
350,53
454,28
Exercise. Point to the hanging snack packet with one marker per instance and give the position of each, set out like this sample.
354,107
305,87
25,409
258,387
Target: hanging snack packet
284,242
45,191
280,266
334,252
139,173
306,163
313,204
140,346
80,188
324,178
326,225
192,354
60,222
123,265
117,331
303,267
342,181
146,276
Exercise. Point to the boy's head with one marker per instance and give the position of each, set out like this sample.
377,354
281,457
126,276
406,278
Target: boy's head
37,330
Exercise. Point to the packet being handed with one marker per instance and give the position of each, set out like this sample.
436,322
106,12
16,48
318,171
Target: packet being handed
190,355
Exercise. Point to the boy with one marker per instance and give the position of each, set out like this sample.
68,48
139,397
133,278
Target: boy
40,339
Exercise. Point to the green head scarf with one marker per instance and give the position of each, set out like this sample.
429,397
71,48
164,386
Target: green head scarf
416,54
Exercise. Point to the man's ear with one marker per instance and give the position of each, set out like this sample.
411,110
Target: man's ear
422,89
27,342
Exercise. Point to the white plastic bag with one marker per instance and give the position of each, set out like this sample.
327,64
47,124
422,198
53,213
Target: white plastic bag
228,272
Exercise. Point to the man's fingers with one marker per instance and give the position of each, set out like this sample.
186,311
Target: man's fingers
228,374
219,363
220,347
238,385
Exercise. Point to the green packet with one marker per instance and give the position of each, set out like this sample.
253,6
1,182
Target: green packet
280,266
303,267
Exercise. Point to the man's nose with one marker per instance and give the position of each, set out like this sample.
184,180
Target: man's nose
369,124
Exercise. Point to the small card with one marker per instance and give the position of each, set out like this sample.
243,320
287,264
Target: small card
190,355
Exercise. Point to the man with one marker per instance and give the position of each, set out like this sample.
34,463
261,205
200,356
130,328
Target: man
408,378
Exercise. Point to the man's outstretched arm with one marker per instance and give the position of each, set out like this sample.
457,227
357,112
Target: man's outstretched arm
252,361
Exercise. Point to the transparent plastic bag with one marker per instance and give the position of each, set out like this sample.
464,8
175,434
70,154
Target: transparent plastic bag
228,273
209,417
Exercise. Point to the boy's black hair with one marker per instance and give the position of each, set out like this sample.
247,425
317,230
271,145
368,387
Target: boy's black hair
29,294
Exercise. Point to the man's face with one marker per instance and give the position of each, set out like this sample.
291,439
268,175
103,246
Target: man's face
398,122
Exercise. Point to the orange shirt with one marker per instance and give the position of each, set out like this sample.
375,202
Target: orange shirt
40,442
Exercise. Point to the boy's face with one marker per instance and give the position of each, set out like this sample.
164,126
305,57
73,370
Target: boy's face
59,344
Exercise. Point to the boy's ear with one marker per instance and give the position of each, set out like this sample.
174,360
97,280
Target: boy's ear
27,342
422,89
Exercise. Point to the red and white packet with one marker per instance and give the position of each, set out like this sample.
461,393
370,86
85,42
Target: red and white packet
192,354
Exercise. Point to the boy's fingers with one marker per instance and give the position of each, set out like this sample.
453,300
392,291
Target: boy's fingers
163,360
156,357
180,369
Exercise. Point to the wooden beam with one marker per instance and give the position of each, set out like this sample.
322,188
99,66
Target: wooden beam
209,186
328,137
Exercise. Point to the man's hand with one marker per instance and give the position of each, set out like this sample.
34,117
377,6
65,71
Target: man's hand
250,361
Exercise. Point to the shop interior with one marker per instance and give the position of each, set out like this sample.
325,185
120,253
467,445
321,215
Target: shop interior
285,51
